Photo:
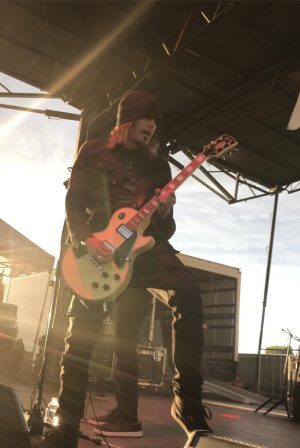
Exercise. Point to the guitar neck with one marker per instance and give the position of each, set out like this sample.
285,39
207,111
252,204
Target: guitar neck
152,205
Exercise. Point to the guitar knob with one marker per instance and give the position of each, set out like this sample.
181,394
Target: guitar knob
105,274
106,287
116,277
95,285
121,215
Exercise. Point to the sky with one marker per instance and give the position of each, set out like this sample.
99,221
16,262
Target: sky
35,153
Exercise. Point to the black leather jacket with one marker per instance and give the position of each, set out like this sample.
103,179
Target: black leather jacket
95,186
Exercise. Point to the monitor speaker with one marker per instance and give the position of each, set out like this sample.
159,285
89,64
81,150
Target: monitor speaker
199,440
14,432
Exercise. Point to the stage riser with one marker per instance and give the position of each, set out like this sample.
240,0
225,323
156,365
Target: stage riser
196,440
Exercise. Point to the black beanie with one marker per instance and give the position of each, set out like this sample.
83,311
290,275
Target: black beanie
138,104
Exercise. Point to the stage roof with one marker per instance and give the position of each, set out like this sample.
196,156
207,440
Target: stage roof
216,67
21,255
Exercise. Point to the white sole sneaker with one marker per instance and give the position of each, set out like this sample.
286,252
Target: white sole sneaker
120,433
94,422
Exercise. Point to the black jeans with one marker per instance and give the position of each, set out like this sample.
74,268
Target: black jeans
128,319
158,268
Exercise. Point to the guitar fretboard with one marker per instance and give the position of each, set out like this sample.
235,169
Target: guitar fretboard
152,205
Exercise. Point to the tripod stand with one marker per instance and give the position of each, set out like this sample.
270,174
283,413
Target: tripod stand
295,385
283,385
36,419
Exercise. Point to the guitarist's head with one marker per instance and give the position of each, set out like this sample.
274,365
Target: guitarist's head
138,118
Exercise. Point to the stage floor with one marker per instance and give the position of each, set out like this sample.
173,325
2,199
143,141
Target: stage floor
160,431
229,419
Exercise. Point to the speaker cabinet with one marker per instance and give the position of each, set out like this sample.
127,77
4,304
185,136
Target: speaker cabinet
14,432
151,365
199,440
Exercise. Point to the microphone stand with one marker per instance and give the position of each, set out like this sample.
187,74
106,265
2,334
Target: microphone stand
283,385
36,419
295,388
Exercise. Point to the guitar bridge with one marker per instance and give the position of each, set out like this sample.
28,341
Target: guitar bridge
96,262
120,260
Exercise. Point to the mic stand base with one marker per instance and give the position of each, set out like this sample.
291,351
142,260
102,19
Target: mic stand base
283,400
36,421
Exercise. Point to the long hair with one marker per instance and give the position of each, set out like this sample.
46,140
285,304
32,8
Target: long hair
117,135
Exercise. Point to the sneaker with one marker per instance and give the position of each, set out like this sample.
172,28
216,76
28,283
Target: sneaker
191,416
121,428
109,417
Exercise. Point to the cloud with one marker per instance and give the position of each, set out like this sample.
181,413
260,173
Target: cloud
34,161
209,227
30,142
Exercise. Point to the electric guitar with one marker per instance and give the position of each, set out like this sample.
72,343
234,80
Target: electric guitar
104,279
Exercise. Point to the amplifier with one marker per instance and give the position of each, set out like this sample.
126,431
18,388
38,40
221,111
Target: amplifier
151,365
199,440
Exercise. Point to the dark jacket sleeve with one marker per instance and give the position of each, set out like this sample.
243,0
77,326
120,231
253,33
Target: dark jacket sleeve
164,228
77,198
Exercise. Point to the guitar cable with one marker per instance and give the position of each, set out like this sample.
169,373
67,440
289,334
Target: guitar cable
95,417
65,295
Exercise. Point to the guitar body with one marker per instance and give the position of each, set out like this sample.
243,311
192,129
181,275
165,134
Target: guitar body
107,280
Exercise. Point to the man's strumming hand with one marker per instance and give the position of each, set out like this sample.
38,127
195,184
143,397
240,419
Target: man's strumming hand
97,248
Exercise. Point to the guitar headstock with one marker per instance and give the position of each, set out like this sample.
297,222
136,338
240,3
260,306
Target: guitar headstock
223,144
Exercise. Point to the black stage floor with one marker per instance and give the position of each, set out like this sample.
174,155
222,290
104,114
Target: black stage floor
159,430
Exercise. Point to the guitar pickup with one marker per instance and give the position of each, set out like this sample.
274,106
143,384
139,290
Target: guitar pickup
124,231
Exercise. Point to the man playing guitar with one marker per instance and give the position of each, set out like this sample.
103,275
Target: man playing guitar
108,175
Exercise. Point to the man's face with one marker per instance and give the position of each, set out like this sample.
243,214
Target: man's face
140,133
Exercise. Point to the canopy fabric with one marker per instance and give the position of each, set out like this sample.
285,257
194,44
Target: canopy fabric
21,255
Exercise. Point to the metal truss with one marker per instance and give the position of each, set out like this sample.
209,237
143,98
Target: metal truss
48,112
211,182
